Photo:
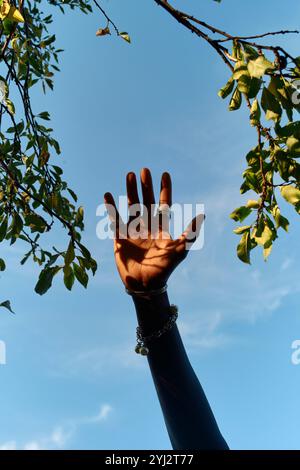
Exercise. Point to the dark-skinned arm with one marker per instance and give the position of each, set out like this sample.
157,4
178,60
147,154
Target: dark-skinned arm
189,419
145,260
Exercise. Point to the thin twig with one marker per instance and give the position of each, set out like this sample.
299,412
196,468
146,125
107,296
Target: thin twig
109,20
257,36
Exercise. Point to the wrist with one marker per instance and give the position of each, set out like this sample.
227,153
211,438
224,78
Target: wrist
145,340
152,312
151,303
147,293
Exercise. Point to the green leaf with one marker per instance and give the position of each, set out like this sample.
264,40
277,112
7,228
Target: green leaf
10,106
258,67
270,105
49,40
70,254
6,304
8,26
255,113
81,275
36,223
44,115
4,89
20,127
279,219
23,260
250,52
85,251
68,277
236,100
244,84
2,264
227,89
93,266
79,215
57,170
290,193
278,86
241,230
240,69
254,88
74,196
3,229
240,213
17,225
45,279
243,248
293,145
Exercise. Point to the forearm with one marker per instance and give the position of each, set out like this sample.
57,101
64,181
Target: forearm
188,416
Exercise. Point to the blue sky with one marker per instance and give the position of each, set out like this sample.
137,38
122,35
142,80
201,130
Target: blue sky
72,379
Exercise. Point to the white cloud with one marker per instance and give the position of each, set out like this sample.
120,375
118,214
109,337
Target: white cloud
105,410
98,359
9,445
60,435
214,297
201,331
32,445
287,262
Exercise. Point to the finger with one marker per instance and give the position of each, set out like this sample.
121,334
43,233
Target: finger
132,192
166,189
191,233
147,190
113,214
165,202
132,195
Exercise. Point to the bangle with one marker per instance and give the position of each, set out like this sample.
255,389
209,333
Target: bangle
147,294
142,341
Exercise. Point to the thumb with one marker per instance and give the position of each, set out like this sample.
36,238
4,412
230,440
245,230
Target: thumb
117,224
192,231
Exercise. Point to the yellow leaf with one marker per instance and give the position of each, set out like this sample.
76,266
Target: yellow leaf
103,32
125,36
4,9
15,15
265,237
10,12
14,42
252,204
267,251
291,194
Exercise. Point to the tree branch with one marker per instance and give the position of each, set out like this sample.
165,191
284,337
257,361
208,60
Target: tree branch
182,19
186,20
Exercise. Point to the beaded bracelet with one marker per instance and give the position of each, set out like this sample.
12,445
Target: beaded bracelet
142,341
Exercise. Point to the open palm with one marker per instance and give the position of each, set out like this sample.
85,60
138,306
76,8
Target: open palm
144,251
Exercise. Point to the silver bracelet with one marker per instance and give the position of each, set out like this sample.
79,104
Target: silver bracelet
143,341
147,294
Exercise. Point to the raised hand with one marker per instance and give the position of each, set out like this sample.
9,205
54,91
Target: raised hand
146,257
